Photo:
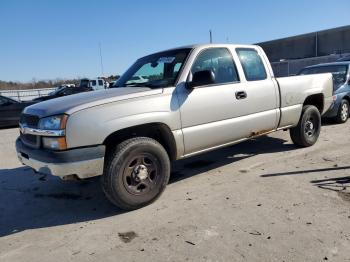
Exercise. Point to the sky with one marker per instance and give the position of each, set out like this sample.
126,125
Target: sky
41,40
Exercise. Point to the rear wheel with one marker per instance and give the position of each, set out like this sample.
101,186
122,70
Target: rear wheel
307,131
343,112
136,173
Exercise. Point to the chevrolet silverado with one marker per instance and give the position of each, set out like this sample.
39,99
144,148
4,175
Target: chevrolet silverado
192,100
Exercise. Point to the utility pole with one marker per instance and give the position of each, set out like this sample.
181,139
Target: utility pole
316,44
99,44
210,36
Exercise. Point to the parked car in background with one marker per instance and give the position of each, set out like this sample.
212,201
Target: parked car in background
62,92
10,111
97,84
61,87
344,58
339,111
94,84
84,83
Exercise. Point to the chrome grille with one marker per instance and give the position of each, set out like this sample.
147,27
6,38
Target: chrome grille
29,138
30,121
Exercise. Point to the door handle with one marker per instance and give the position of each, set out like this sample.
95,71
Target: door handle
241,95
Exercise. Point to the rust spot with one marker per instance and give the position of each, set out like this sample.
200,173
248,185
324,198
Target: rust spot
260,133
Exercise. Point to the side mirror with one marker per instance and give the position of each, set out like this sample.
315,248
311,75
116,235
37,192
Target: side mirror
202,78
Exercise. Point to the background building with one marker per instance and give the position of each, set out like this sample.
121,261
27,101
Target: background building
289,55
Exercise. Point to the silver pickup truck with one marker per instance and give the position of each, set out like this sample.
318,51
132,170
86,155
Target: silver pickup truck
191,100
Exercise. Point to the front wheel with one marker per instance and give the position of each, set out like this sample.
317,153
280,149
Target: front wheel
136,173
307,131
343,112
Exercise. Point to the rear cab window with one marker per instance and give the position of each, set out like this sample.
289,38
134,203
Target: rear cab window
252,64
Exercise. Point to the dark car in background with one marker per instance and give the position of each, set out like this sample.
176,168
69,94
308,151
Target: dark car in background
10,111
66,91
339,110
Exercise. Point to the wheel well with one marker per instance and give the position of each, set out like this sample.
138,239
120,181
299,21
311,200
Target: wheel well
315,100
158,131
347,98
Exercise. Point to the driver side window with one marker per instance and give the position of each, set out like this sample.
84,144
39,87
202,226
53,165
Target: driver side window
220,62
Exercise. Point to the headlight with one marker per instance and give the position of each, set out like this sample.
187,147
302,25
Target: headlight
53,122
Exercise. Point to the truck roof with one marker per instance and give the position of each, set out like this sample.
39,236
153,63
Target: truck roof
204,46
212,45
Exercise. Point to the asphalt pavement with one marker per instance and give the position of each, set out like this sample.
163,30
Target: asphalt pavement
262,200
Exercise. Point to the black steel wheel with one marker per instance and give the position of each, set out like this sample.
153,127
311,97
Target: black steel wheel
141,174
307,131
136,173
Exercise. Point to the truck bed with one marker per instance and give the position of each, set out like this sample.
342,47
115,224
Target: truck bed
295,89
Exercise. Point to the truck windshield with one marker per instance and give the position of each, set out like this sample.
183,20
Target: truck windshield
339,73
155,71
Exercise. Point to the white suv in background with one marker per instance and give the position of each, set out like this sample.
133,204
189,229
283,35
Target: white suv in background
97,84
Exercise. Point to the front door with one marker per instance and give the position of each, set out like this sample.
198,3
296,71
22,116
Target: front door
228,110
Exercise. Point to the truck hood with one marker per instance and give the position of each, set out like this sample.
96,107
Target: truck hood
77,102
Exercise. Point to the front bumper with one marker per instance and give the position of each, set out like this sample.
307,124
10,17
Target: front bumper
83,162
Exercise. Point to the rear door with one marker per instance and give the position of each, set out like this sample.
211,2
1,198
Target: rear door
262,91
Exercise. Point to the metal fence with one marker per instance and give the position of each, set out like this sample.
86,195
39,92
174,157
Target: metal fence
26,95
292,67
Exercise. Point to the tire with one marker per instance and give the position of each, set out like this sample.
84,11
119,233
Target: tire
307,131
136,173
343,112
